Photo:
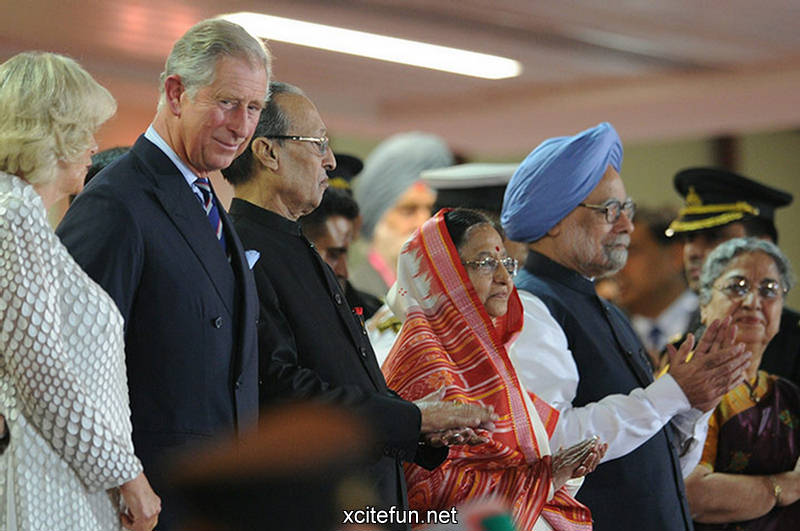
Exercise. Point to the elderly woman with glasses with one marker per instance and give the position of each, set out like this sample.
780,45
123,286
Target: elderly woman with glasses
749,474
460,310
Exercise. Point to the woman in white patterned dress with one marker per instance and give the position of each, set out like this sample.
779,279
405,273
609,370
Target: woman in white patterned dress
69,462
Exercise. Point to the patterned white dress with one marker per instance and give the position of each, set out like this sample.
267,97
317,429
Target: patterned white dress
63,388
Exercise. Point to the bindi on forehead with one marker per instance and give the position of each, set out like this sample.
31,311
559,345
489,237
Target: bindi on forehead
496,248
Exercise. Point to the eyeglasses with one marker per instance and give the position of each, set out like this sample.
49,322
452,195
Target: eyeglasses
488,265
320,141
738,287
613,209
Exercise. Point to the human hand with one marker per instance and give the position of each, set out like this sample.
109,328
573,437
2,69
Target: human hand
143,505
439,416
789,482
717,366
455,437
577,460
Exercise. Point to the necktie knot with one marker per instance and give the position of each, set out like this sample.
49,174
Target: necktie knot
210,206
204,186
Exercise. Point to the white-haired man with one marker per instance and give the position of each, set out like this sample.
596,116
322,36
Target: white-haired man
150,230
579,353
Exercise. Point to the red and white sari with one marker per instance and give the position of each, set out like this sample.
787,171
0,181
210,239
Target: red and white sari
448,340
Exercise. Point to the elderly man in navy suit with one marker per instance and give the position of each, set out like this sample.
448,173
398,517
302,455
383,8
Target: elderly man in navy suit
150,230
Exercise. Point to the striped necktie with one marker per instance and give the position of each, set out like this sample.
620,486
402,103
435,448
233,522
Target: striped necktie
210,205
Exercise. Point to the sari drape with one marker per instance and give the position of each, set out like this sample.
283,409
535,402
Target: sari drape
448,340
758,437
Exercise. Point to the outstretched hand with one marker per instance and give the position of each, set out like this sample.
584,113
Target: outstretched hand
439,416
717,365
577,460
455,437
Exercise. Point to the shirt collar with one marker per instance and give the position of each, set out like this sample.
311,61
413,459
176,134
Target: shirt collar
674,320
161,144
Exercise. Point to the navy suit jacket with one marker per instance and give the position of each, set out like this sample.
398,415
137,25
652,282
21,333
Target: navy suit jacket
190,316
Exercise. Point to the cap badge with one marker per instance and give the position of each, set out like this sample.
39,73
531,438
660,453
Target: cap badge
693,198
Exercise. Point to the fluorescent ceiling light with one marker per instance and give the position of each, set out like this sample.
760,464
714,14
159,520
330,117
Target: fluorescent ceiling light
376,46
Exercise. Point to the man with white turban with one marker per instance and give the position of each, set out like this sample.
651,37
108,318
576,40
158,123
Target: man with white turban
394,203
578,352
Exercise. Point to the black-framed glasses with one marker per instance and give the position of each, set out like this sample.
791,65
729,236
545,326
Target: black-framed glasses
613,209
737,288
321,142
488,265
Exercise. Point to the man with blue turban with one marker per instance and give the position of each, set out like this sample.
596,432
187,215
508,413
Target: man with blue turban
578,352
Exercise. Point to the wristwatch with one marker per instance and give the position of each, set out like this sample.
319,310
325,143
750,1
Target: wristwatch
776,489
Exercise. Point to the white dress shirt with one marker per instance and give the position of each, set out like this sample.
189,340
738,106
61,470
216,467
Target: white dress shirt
152,135
546,367
672,322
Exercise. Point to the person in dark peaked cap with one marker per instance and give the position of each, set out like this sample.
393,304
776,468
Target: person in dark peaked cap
717,198
347,167
721,205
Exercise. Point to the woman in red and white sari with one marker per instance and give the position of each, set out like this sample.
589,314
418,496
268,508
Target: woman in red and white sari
460,310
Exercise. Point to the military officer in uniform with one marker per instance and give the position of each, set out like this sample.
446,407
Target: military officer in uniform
721,205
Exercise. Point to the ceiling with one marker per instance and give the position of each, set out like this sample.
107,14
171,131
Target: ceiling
657,69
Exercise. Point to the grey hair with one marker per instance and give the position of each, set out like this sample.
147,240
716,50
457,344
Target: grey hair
272,122
194,56
719,259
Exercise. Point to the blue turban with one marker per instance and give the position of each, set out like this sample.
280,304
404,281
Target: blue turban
555,177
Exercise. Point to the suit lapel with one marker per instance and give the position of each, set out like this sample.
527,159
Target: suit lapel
186,213
246,289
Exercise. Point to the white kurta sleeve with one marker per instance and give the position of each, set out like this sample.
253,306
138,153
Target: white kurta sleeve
546,367
692,428
92,435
